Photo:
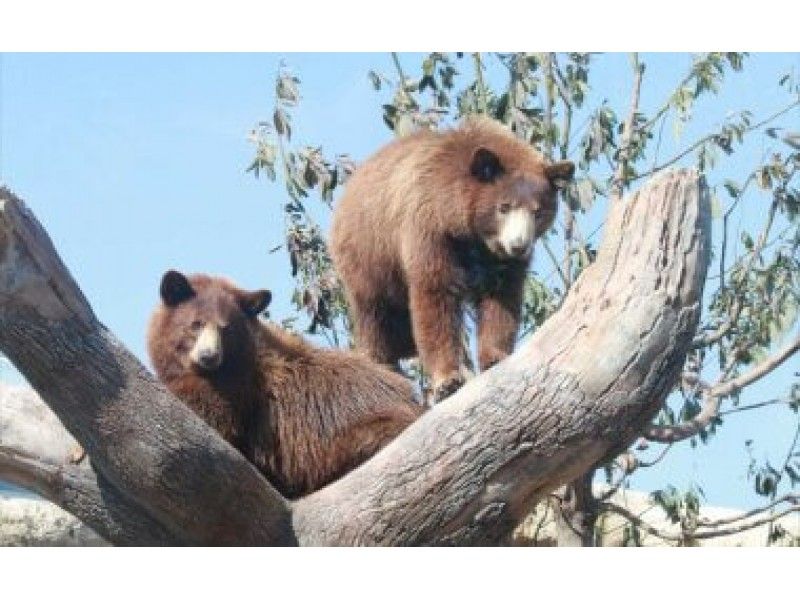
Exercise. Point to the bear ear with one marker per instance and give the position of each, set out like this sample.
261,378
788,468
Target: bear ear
485,165
254,303
560,173
175,288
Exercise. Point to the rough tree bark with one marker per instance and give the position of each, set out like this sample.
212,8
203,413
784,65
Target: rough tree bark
575,512
576,393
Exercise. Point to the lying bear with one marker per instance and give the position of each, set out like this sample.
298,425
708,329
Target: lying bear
303,416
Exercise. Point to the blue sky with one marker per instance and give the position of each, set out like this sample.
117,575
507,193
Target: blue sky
135,163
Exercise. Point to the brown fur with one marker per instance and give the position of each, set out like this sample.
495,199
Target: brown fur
304,416
413,240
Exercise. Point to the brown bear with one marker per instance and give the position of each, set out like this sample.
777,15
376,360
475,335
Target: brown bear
303,416
431,222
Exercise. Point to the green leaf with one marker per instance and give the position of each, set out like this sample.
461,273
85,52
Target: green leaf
280,119
763,178
732,188
375,79
287,90
792,139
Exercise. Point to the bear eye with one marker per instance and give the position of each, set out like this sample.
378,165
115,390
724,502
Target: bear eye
504,208
196,326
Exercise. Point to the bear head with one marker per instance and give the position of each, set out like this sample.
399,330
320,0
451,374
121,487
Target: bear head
513,192
203,324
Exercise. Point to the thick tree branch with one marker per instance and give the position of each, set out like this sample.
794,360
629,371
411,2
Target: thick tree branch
578,392
569,397
143,441
80,491
36,453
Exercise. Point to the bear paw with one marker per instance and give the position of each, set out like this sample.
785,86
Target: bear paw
447,386
489,357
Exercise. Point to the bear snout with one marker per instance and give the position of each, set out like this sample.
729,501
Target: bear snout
207,350
517,233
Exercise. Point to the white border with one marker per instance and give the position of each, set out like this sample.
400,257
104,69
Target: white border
400,25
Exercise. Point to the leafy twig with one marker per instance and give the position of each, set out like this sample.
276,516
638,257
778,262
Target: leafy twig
618,182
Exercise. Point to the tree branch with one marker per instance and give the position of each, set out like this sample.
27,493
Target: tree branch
143,441
480,85
80,491
712,337
792,499
710,137
758,372
576,393
549,100
712,398
695,535
443,482
618,184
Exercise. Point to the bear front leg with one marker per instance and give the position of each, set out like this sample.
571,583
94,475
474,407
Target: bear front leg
498,319
382,333
437,321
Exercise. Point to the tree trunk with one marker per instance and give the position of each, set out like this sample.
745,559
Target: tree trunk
579,391
575,513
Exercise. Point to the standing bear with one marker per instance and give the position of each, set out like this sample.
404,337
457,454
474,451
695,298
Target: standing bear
431,222
303,416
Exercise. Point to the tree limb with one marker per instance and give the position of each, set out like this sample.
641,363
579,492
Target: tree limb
792,499
566,399
711,137
576,393
694,534
618,183
712,398
86,495
140,439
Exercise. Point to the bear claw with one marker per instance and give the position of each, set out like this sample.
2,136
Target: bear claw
446,387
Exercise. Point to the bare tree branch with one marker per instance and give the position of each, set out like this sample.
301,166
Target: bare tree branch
481,86
712,398
672,161
466,496
758,372
618,184
759,405
576,393
793,499
549,100
80,491
695,535
143,441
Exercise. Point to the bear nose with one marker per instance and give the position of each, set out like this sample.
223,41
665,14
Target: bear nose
209,360
519,249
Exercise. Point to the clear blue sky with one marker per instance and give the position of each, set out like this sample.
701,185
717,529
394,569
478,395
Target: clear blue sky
135,163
